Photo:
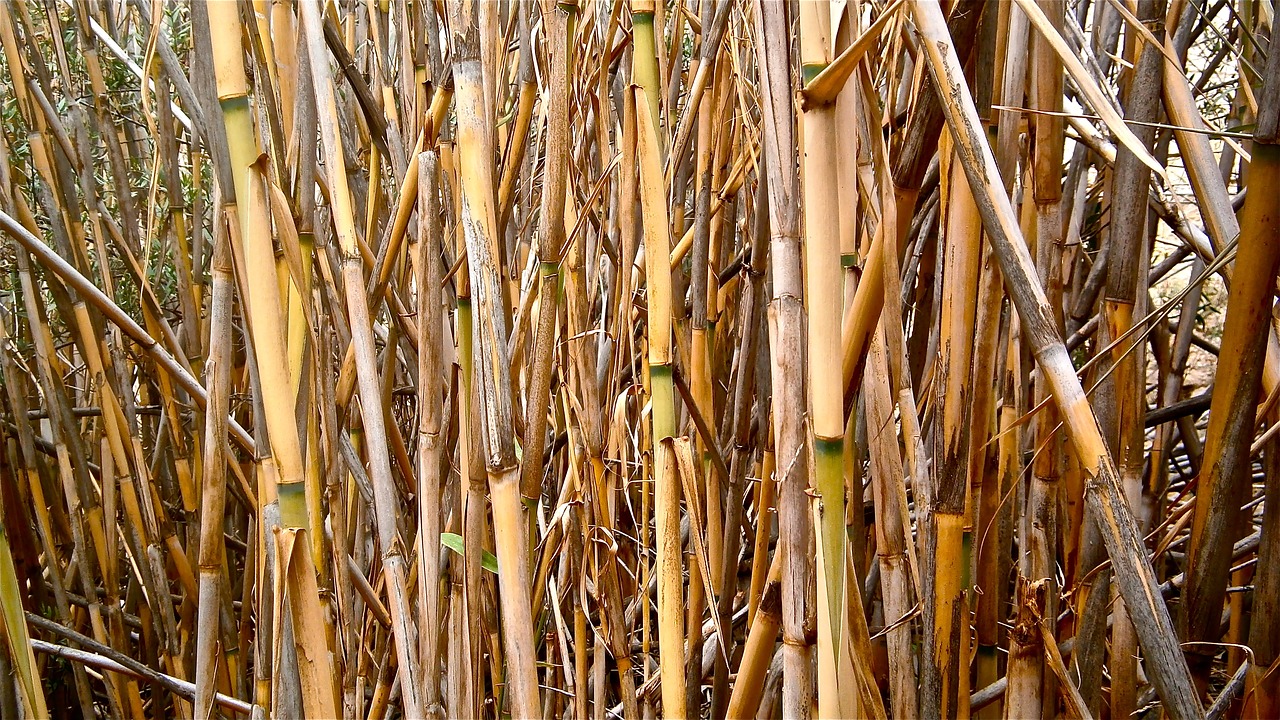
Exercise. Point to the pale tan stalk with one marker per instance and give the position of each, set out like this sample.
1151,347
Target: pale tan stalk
431,423
786,340
213,497
892,541
478,221
823,294
391,547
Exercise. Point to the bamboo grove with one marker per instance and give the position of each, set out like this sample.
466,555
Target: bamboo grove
639,358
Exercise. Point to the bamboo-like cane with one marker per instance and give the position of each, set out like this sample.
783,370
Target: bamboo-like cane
404,626
551,247
479,225
701,343
1208,184
951,543
136,520
16,638
744,387
644,62
1125,293
657,237
1224,476
269,342
1167,668
891,528
786,340
823,277
431,421
1092,595
991,519
213,497
1032,686
759,650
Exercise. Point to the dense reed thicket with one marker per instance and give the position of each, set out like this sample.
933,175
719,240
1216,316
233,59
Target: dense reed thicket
639,358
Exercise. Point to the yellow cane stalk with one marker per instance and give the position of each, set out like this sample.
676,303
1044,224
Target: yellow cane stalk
479,225
823,295
265,314
657,237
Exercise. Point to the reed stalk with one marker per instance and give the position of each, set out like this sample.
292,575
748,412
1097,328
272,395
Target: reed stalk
431,423
1167,668
392,550
786,346
269,343
551,237
823,288
213,497
1224,473
16,639
892,541
493,382
950,542
657,239
455,320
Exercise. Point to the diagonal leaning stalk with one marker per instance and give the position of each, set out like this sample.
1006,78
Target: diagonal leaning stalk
1166,665
386,503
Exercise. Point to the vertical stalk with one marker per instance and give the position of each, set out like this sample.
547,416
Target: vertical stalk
15,638
1126,292
700,345
551,234
657,241
823,296
493,373
786,341
892,527
213,496
951,533
431,421
265,314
